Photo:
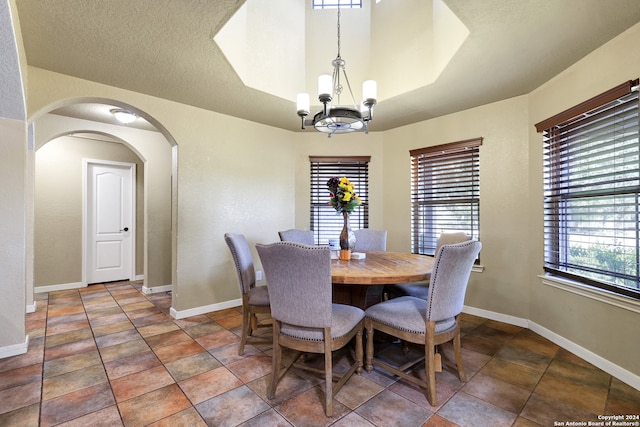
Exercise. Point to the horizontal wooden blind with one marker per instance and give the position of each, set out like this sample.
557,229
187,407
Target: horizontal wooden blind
591,196
445,192
324,221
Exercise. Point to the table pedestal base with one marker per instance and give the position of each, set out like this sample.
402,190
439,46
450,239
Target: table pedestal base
362,296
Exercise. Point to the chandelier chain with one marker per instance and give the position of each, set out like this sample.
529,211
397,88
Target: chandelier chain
338,31
334,117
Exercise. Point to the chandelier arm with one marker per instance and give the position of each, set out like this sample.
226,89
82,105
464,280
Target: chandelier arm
337,87
339,119
353,99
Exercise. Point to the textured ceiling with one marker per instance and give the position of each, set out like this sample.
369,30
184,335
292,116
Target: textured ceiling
165,48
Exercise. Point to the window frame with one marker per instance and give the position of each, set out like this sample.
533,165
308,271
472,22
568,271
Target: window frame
563,163
334,4
324,221
428,193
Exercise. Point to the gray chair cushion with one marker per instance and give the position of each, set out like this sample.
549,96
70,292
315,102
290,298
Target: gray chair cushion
368,239
449,279
421,289
259,296
299,278
451,239
343,319
298,236
242,259
406,314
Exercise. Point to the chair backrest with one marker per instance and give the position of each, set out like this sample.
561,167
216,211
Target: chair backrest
297,235
241,254
449,279
299,279
368,239
450,239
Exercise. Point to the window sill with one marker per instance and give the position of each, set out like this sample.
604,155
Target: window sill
591,292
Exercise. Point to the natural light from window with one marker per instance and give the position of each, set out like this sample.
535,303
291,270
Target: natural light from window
332,4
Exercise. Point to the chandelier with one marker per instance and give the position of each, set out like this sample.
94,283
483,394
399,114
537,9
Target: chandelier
339,118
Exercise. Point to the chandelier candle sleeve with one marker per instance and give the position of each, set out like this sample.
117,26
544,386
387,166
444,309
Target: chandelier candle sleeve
369,92
303,103
325,87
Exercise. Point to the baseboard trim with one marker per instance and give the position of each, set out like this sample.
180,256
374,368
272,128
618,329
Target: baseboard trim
15,349
609,367
156,289
31,308
492,315
139,277
61,287
204,309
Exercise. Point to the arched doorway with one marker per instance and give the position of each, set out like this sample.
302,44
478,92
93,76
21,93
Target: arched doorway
89,136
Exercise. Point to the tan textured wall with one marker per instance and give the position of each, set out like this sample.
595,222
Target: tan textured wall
233,175
503,286
12,231
154,149
599,327
58,206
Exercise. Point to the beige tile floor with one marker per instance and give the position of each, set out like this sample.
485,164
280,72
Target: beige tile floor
109,355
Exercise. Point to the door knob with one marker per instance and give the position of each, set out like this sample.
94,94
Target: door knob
125,229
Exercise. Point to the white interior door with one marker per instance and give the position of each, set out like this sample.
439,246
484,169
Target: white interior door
109,219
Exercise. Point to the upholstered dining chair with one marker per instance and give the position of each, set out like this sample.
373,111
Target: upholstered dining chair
304,318
368,239
255,299
297,235
429,322
420,289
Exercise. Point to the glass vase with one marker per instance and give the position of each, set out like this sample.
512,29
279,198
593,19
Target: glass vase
347,237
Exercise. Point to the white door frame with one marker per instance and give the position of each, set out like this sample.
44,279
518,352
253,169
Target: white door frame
85,235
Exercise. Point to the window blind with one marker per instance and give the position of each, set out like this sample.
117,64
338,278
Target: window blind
445,192
591,194
324,221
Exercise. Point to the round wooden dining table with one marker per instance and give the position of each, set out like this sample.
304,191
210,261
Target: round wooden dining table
360,282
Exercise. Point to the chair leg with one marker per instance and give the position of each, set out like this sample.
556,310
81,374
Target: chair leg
276,361
328,374
246,324
457,352
429,366
359,351
369,356
253,324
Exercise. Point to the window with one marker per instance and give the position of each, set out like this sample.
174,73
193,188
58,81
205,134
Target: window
324,221
592,191
445,192
332,4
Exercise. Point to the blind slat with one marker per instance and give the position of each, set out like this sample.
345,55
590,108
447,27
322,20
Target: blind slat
444,192
592,194
324,221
